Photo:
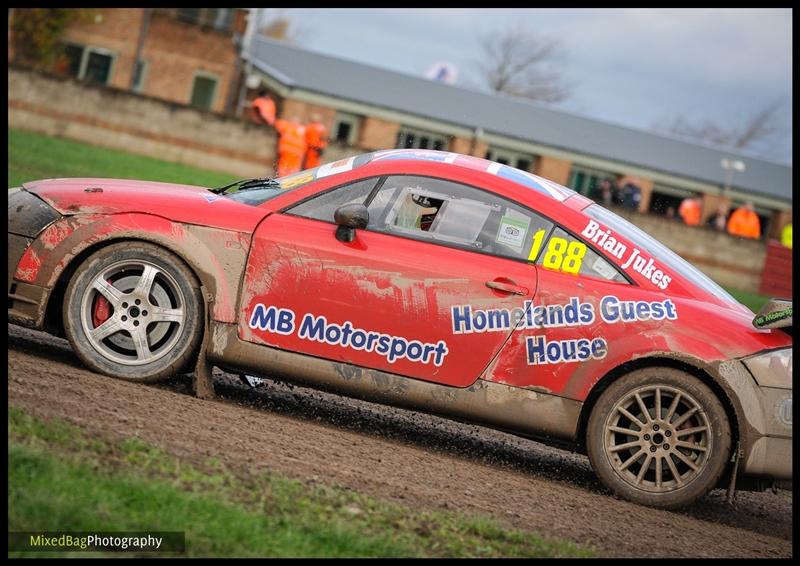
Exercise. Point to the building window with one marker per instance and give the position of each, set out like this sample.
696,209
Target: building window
74,57
204,90
408,138
93,64
189,15
665,200
140,73
221,19
345,128
586,180
509,157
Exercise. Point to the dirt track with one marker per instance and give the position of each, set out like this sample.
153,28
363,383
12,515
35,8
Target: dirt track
414,459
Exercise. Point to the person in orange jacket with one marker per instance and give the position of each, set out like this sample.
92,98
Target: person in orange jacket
317,140
689,210
292,145
264,108
744,222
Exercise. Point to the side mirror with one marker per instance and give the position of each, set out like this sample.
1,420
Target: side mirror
349,217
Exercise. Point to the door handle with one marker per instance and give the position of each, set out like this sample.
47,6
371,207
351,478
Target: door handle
511,288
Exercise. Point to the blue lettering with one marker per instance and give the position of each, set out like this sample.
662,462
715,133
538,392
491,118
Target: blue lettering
461,319
279,321
313,328
540,351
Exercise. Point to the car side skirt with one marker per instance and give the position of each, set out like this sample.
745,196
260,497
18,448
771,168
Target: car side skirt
523,412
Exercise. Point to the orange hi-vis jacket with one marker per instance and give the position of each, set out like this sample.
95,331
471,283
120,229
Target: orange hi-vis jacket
292,137
744,223
291,147
316,135
265,107
690,212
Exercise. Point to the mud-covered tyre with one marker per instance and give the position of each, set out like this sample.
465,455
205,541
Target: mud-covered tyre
659,437
134,311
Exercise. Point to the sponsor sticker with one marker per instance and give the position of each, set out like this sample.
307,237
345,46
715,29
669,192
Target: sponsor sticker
335,167
575,313
318,329
512,231
298,179
635,258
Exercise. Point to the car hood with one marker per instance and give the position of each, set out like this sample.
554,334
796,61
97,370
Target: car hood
181,203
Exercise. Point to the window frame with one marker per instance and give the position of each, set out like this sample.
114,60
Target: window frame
419,134
199,73
140,86
588,173
493,153
382,178
86,50
353,120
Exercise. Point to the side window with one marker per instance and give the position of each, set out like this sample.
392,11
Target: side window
323,206
450,213
564,252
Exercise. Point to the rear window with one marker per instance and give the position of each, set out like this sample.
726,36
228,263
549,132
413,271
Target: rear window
658,251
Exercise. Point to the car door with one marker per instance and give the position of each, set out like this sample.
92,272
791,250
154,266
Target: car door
430,290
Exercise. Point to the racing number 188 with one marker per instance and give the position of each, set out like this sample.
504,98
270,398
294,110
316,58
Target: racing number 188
561,255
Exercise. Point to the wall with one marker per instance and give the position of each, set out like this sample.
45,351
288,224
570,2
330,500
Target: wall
122,120
554,169
174,51
731,262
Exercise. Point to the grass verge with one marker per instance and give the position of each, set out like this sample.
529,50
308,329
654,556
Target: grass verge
60,478
34,156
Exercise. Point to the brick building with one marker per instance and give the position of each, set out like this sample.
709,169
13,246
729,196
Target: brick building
184,55
372,108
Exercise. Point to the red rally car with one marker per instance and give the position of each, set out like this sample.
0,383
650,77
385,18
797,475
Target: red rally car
429,280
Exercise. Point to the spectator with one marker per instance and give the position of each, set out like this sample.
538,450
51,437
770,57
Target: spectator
786,235
631,195
689,211
744,222
264,108
719,220
291,145
317,139
616,191
670,213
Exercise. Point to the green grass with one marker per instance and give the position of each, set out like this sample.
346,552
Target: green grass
60,478
35,156
753,301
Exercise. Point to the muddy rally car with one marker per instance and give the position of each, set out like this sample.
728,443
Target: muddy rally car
429,280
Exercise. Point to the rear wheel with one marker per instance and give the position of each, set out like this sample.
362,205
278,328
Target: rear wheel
660,437
134,311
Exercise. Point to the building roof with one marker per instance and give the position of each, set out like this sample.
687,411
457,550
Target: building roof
307,70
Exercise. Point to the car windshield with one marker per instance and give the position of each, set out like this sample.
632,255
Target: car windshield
658,251
260,195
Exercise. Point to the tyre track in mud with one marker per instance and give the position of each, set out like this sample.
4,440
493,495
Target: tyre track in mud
410,458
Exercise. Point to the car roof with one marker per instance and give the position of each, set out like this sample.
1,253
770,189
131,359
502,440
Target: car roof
541,185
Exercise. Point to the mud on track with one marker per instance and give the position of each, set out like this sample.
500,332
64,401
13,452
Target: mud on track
414,459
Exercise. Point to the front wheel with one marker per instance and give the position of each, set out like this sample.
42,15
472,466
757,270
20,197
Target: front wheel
660,437
134,311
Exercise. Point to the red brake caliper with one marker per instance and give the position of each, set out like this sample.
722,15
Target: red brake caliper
102,310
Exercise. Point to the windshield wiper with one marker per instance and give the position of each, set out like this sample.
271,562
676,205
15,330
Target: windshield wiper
245,184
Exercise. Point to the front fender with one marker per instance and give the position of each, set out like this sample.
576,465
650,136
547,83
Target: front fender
216,256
